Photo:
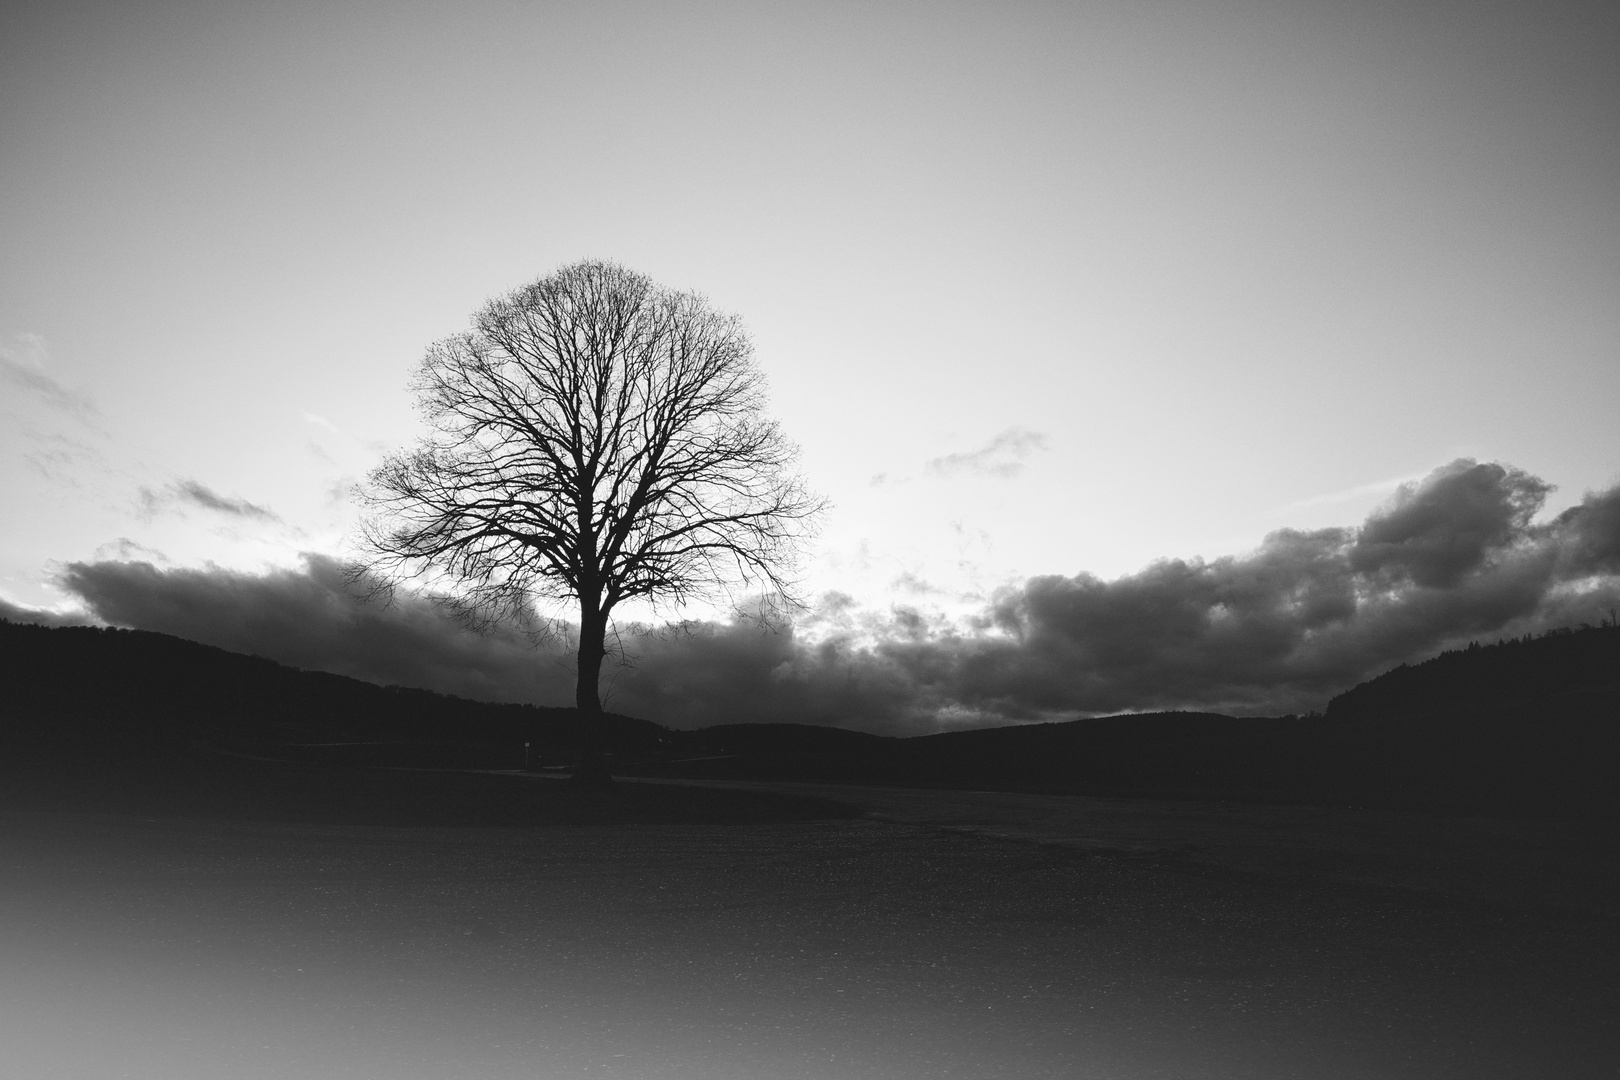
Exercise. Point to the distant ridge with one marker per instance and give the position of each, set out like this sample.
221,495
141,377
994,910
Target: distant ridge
1528,726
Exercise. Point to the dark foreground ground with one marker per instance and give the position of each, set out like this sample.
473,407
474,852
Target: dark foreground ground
268,921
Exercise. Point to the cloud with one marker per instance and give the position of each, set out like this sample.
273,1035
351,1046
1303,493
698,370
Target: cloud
125,549
1350,494
181,493
1590,535
1282,628
909,582
41,616
1437,531
62,460
312,617
341,490
741,673
22,367
1003,456
1305,615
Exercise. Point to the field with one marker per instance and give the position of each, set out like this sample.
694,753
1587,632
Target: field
275,923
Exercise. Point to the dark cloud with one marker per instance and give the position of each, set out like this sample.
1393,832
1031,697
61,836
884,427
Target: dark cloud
311,617
181,493
1308,613
743,673
1279,629
1439,530
1590,534
1002,456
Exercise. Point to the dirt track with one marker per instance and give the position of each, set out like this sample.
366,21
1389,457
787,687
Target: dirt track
948,934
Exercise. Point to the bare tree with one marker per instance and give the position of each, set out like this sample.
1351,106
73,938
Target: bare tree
594,438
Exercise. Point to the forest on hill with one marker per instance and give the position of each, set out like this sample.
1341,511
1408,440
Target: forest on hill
1570,660
1525,726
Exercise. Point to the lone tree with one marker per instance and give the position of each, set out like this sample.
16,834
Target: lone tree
594,438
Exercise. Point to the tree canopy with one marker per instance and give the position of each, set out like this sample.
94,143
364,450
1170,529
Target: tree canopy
596,438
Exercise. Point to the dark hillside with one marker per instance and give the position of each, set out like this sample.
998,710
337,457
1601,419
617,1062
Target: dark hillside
1559,663
113,692
1522,727
1530,725
1525,727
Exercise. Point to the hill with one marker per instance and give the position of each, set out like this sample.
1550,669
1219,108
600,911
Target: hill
1530,726
131,723
108,692
1551,667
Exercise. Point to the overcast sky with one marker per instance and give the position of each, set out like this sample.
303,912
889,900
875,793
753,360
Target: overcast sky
1056,298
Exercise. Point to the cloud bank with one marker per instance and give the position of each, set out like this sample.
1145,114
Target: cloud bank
1455,556
312,617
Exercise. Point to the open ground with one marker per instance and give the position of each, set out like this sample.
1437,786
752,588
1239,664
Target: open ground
931,934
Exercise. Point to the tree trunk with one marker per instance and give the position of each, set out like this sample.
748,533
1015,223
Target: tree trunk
593,765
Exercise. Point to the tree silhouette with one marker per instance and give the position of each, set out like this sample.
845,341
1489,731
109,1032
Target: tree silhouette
594,438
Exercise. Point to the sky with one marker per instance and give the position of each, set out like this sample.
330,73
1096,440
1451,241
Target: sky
1151,355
